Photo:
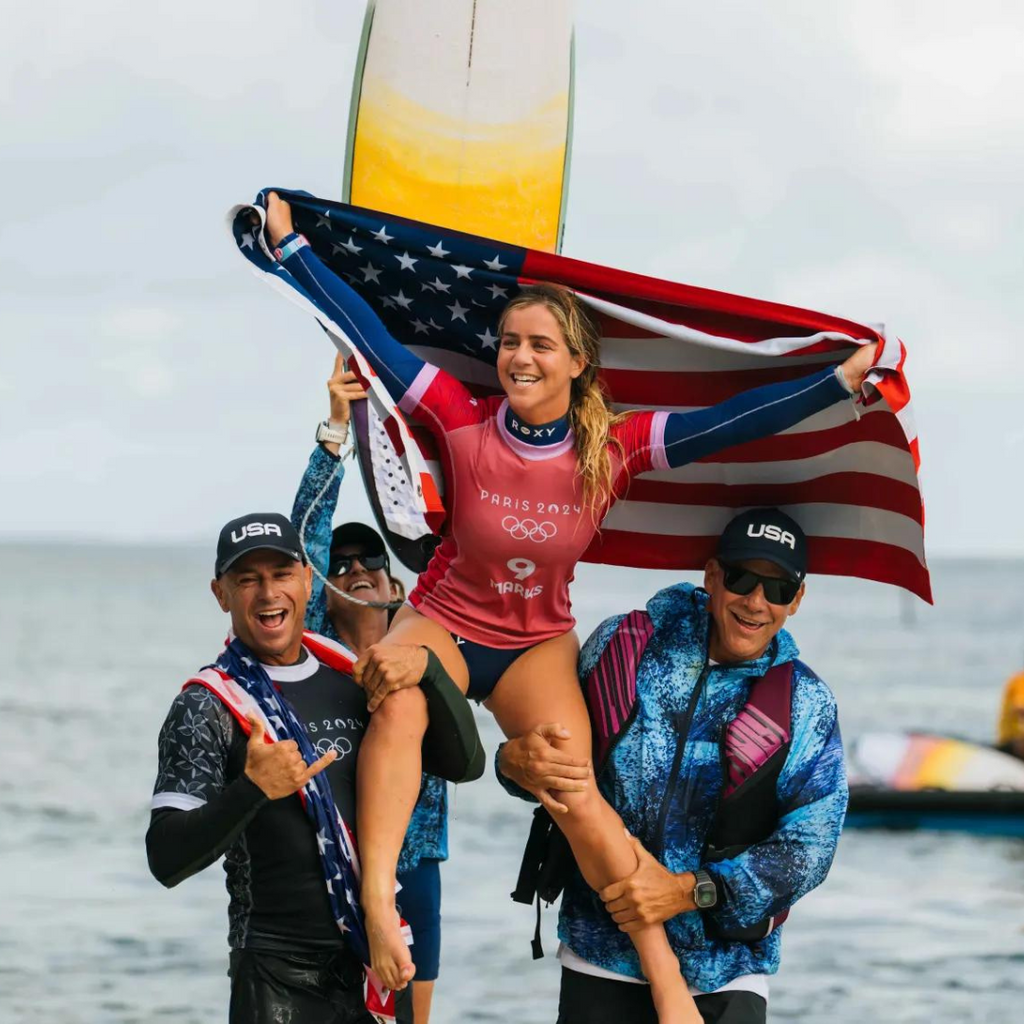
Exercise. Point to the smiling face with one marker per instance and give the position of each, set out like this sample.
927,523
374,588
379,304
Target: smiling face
535,365
360,583
265,592
743,625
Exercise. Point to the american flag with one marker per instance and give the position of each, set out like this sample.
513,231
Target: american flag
848,475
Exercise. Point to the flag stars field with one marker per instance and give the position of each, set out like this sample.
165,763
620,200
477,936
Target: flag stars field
457,276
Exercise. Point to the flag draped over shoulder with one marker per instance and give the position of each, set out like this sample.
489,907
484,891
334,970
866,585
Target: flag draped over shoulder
242,683
848,475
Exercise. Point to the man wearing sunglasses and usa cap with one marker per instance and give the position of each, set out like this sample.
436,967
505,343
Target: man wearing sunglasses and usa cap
721,751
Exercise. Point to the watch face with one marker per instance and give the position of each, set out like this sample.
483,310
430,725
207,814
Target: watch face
704,895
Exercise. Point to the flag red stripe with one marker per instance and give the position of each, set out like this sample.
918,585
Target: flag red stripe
915,450
787,447
895,391
857,489
612,327
872,560
395,434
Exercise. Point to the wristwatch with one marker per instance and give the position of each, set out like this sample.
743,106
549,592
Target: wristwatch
705,892
325,432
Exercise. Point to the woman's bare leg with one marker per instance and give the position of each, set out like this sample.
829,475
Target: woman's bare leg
542,686
387,785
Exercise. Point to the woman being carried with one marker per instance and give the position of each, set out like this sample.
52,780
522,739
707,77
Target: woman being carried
530,477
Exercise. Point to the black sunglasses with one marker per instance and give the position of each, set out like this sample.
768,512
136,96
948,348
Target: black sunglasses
742,581
343,563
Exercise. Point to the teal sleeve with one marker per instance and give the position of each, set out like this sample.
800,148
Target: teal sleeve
317,534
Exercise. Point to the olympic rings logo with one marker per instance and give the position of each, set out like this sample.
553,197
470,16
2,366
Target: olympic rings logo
341,746
529,529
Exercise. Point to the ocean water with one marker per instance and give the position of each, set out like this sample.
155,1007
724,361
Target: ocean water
96,641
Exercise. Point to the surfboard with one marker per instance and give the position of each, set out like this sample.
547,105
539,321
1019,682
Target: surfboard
918,761
461,116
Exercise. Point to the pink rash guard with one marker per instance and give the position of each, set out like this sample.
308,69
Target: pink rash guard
516,525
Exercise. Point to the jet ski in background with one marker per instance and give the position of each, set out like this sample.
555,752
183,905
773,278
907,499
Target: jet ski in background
917,780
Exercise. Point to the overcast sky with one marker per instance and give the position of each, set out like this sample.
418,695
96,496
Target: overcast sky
861,157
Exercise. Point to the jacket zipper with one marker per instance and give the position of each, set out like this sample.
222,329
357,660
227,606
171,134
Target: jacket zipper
682,722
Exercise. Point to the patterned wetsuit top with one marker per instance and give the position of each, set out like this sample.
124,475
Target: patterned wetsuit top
516,523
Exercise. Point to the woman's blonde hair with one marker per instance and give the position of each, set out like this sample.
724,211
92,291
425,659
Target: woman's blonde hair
590,415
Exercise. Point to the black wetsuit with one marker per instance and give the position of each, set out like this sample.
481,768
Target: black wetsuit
281,931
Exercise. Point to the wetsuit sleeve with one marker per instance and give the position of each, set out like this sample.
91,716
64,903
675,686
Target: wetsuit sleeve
197,813
667,440
416,386
589,657
772,875
317,536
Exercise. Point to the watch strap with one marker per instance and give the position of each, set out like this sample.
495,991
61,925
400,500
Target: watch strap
333,435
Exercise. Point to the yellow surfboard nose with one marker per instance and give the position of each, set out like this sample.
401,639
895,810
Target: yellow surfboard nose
462,116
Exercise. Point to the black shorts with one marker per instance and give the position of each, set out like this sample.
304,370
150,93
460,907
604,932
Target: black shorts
585,999
304,988
486,665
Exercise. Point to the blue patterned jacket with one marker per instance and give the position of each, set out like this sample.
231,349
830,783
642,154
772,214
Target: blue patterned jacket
428,828
672,815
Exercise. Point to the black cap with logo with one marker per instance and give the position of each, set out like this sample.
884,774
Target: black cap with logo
769,534
255,532
365,536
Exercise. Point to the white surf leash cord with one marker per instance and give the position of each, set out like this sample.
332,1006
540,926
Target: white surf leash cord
388,605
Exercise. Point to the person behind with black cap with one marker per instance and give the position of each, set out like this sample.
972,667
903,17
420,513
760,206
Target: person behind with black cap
722,754
257,762
353,609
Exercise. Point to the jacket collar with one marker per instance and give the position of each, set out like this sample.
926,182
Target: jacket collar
683,610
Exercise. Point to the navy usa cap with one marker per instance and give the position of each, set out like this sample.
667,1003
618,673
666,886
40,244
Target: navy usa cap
255,532
769,534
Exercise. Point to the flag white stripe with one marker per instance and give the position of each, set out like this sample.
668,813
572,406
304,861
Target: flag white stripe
662,353
818,520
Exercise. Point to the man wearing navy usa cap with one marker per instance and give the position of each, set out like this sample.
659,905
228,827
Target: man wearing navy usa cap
257,763
721,752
